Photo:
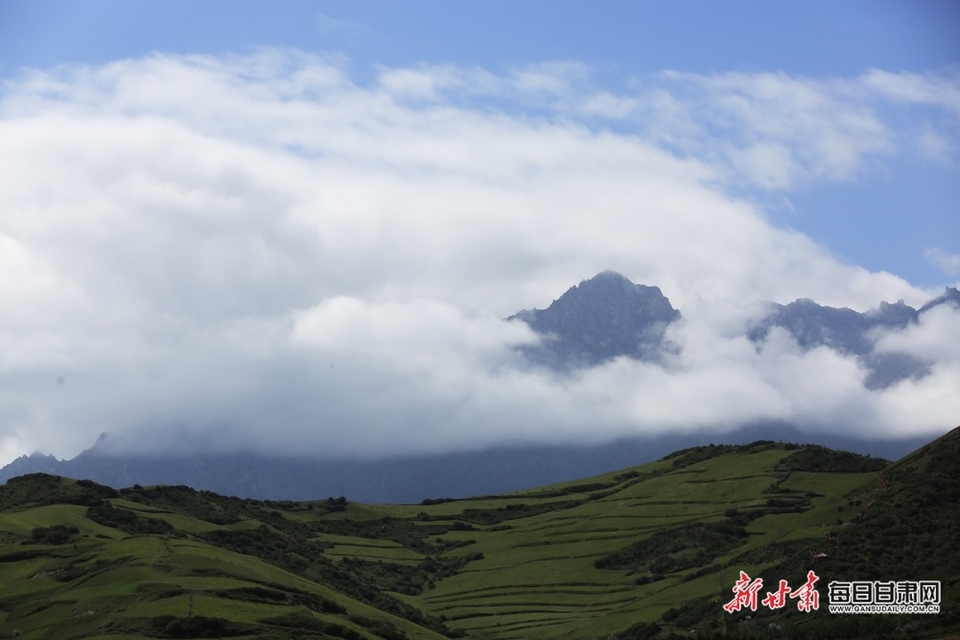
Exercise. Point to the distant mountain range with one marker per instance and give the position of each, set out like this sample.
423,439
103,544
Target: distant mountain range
651,551
602,318
608,316
408,479
853,333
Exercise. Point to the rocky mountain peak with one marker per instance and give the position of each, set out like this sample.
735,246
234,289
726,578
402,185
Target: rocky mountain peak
599,319
950,296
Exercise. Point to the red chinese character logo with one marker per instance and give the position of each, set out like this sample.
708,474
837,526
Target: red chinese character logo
808,597
746,594
777,599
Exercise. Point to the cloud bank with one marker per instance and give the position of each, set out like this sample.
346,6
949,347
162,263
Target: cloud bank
259,253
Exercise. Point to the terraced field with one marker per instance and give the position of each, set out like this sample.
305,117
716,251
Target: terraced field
653,549
538,576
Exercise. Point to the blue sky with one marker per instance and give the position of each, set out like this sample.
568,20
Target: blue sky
813,38
891,219
314,215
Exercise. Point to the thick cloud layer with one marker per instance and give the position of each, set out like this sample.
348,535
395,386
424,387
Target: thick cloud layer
256,252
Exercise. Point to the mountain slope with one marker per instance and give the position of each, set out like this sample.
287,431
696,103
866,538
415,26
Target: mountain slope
79,559
654,547
951,296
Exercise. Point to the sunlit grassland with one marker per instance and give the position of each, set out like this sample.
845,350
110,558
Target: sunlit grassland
397,553
22,522
540,570
145,576
177,520
581,559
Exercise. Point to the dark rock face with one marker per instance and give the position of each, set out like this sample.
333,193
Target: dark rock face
843,330
608,316
600,319
852,333
34,463
951,297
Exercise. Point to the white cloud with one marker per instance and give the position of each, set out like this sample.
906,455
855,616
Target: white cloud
408,82
929,89
257,246
936,338
933,399
935,147
557,77
345,27
806,129
949,263
606,105
438,81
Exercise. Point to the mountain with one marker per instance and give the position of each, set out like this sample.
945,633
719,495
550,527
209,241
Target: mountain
608,316
34,463
600,319
854,333
407,479
951,297
843,330
849,332
603,317
642,552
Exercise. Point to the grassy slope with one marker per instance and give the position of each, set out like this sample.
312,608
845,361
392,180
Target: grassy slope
105,582
670,536
538,577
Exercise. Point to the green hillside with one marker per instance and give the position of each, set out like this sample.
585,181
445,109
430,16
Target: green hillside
651,551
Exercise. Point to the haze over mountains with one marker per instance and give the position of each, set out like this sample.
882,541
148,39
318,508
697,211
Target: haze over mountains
595,322
293,257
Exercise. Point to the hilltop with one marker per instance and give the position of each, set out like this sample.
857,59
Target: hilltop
630,554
